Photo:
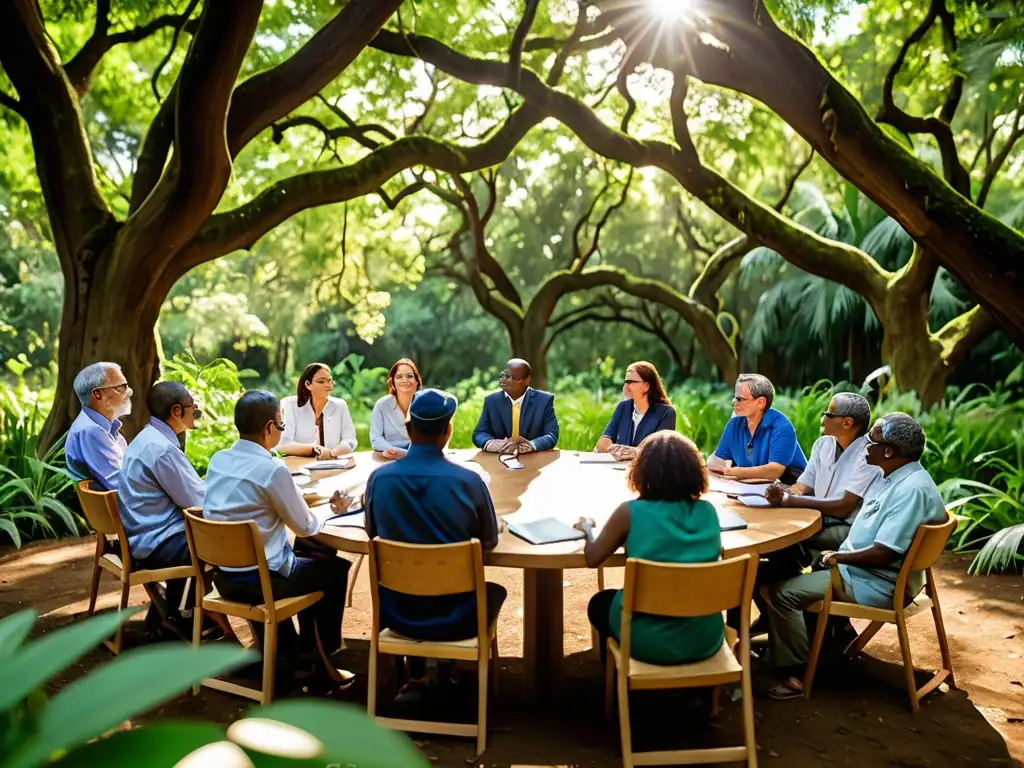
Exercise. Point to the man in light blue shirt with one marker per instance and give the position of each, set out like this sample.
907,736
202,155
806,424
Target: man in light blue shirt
246,482
95,447
157,483
870,558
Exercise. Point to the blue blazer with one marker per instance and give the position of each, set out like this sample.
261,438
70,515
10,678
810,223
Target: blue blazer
658,418
537,420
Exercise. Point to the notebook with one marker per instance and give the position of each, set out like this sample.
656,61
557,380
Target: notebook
547,530
752,500
730,521
354,518
344,463
598,458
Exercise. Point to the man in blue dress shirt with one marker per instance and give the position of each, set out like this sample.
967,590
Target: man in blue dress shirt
519,418
427,499
870,558
157,483
95,447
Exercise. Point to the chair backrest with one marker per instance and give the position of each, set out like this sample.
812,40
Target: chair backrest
228,544
928,544
688,589
427,569
100,508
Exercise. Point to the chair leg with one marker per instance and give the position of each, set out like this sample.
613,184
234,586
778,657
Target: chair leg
352,576
600,579
908,661
624,733
94,588
481,707
812,662
748,716
865,637
609,686
269,661
126,588
715,693
197,634
494,667
371,683
940,633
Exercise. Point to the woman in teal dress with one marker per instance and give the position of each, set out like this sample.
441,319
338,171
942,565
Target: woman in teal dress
668,523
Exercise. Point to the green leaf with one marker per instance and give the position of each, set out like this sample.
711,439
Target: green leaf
14,629
161,745
348,736
12,531
41,659
129,685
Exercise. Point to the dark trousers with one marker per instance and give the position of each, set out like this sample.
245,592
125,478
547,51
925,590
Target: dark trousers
170,553
772,569
322,574
599,612
461,630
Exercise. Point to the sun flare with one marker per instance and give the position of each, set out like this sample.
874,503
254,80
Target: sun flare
671,10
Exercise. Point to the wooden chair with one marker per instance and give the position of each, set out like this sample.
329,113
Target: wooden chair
433,570
928,544
238,545
101,511
671,589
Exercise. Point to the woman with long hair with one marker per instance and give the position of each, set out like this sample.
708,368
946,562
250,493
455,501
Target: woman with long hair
316,424
644,410
388,435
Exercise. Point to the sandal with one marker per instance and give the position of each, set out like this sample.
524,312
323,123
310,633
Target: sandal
790,688
413,691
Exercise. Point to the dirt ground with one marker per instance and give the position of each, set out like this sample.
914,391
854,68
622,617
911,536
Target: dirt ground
858,715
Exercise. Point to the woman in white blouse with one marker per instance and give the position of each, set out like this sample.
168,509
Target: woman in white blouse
316,424
387,422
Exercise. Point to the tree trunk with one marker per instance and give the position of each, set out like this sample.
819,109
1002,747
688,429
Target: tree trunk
108,315
914,356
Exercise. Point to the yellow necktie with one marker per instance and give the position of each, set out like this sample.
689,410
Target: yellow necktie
515,419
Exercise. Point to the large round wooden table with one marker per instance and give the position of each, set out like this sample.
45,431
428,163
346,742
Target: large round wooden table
554,484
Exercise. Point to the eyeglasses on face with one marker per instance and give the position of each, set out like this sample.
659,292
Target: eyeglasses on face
324,381
278,427
118,388
830,415
870,441
740,399
627,382
506,376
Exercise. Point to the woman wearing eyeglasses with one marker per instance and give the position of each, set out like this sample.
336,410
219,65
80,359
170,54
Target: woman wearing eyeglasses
316,424
759,442
388,435
644,410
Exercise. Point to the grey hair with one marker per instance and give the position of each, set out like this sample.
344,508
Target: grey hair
856,407
759,386
902,432
92,377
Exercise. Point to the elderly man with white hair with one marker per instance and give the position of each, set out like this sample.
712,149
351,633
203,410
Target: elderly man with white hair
95,447
870,558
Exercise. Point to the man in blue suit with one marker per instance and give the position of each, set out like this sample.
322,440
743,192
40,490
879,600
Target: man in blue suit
518,418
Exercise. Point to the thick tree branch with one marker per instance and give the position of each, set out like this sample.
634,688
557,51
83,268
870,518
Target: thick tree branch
718,269
962,334
154,81
515,50
192,185
357,133
270,95
79,217
153,153
938,126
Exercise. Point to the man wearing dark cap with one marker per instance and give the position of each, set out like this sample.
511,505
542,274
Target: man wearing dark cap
519,418
156,483
427,499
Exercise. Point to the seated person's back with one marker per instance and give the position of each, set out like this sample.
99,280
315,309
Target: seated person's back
668,523
427,499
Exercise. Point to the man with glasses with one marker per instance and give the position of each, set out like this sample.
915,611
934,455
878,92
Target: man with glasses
95,446
870,557
246,482
759,442
838,477
157,483
518,419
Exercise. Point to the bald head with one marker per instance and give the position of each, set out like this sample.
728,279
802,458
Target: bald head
515,378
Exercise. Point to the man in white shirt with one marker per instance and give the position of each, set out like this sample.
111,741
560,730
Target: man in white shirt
245,482
837,478
156,483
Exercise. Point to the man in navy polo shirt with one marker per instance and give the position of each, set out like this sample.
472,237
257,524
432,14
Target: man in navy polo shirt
427,499
758,442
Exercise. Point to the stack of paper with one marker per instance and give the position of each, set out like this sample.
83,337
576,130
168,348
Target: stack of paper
598,458
346,462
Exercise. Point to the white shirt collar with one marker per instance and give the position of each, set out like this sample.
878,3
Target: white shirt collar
521,397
